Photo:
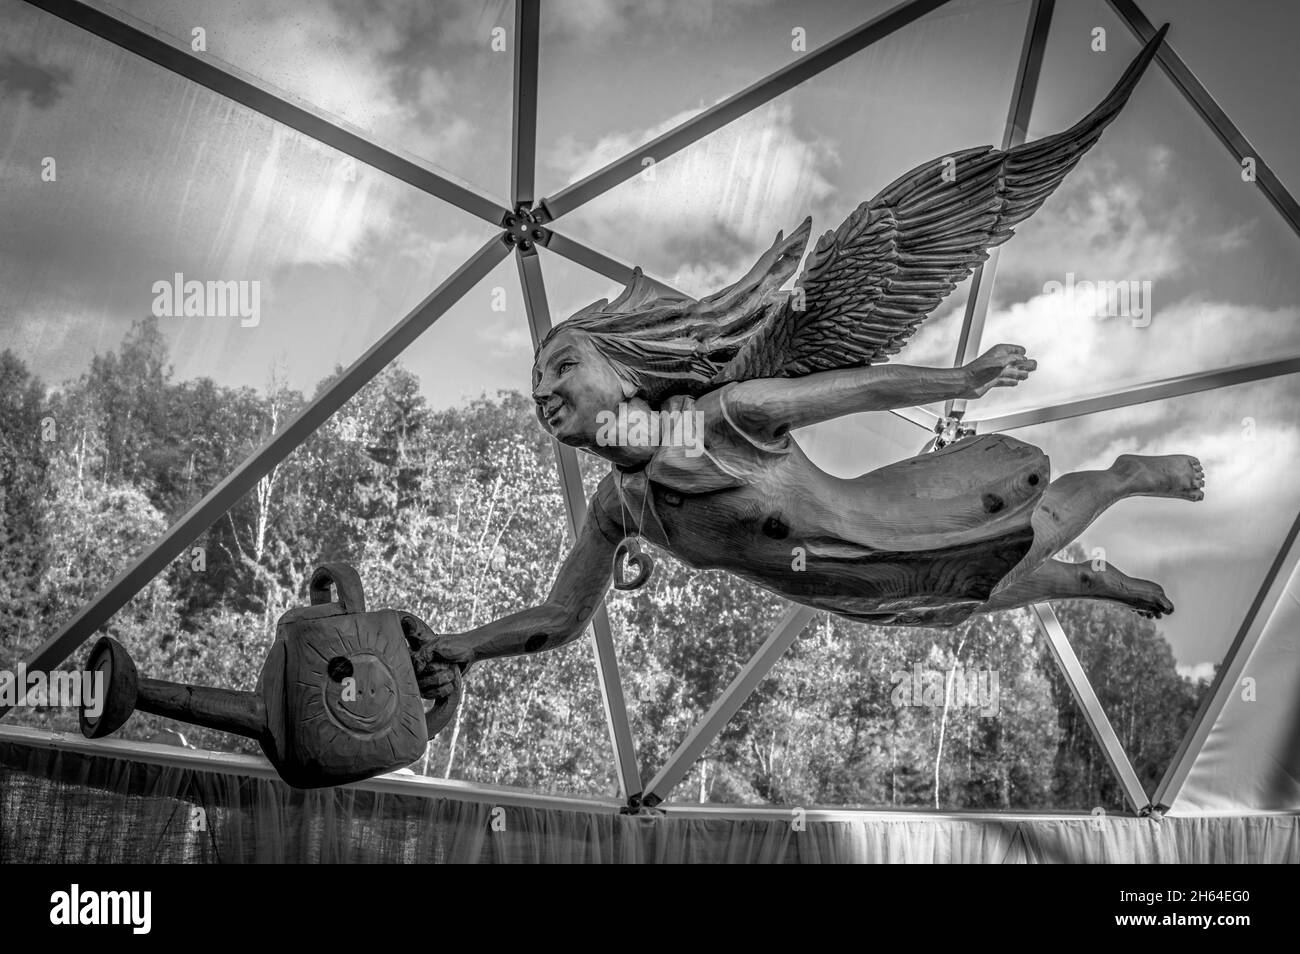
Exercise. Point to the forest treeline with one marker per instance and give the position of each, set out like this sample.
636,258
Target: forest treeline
455,515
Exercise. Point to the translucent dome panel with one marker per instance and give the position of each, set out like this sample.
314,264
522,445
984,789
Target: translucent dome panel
1154,259
177,272
535,721
571,287
640,69
446,502
830,695
680,641
700,217
1250,761
1244,60
934,345
431,79
976,717
1209,556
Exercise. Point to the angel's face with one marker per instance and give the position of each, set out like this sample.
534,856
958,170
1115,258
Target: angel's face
572,383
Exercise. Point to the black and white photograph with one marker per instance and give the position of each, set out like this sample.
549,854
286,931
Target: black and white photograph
650,432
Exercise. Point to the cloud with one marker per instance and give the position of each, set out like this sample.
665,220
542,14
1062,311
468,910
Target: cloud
363,84
397,70
1208,310
934,343
1148,239
699,218
407,32
599,19
1246,475
1080,352
505,335
1197,672
1103,225
41,85
227,195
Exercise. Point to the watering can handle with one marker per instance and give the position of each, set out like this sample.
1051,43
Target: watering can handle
345,580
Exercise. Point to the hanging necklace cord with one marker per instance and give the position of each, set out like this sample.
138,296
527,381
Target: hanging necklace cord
640,520
622,506
628,547
622,503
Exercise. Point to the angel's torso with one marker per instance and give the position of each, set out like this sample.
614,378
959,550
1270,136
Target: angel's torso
922,541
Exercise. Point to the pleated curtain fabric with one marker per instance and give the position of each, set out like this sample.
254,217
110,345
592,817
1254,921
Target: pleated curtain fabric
69,806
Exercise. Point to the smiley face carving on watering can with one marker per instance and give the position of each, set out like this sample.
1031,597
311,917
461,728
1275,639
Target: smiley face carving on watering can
351,702
361,694
337,700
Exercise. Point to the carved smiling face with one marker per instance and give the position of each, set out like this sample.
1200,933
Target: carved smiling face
572,383
361,693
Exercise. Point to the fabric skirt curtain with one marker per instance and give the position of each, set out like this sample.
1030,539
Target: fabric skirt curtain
75,804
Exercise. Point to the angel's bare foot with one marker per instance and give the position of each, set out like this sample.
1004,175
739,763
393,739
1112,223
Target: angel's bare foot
1073,501
1055,580
1174,475
1146,598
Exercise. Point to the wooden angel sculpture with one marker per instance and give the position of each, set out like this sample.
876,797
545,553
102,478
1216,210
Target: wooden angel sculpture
713,475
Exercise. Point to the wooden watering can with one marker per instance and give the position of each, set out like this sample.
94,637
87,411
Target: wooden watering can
337,700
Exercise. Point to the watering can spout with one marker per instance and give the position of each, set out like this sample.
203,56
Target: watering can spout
229,710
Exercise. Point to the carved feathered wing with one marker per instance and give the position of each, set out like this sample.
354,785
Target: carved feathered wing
869,284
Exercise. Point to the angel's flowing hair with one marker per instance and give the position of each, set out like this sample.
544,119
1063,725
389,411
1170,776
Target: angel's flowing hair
662,343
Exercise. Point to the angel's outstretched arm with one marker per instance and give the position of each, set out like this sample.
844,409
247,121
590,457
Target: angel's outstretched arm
577,591
769,407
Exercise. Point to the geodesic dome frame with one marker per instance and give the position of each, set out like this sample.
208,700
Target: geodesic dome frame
527,223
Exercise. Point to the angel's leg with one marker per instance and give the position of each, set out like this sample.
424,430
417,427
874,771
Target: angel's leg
1073,501
1055,580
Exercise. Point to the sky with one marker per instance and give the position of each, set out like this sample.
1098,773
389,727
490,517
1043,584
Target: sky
156,177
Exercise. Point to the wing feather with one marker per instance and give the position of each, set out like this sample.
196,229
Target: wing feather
867,286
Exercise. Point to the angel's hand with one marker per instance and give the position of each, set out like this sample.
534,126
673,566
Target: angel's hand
439,659
1002,366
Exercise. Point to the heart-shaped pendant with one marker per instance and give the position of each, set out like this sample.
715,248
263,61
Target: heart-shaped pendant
629,553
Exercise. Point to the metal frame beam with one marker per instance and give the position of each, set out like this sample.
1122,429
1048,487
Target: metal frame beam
972,324
146,41
1083,693
783,635
566,458
1196,94
1144,393
1023,91
245,477
523,139
806,67
599,262
1230,670
919,416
